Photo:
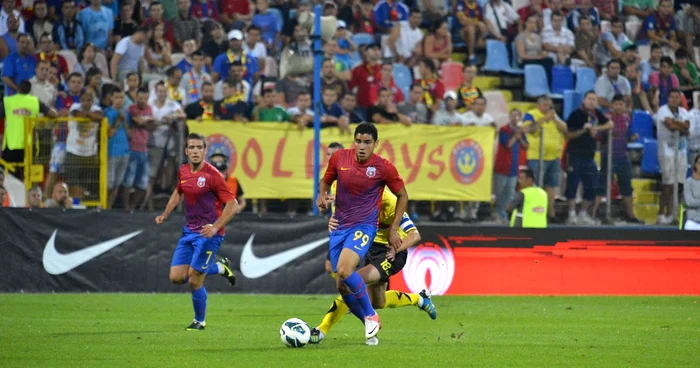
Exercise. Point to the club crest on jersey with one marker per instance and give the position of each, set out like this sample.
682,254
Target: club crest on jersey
201,182
371,172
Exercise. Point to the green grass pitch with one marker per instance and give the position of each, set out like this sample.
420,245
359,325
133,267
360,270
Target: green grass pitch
147,330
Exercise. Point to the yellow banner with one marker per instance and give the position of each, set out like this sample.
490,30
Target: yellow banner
275,160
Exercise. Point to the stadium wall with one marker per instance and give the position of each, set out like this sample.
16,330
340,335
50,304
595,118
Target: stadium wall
110,251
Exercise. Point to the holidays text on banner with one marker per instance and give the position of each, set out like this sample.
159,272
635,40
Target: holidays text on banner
275,160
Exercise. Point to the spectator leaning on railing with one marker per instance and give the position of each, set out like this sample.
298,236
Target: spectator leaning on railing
583,126
117,145
141,121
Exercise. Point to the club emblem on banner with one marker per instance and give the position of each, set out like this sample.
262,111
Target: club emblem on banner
221,144
201,181
467,161
371,172
430,266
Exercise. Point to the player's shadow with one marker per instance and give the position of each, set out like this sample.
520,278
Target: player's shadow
95,333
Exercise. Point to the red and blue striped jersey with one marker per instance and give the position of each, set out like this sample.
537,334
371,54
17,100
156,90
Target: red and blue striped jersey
205,193
360,186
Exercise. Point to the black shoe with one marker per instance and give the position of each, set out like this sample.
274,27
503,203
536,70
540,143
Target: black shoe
195,326
633,220
315,336
228,274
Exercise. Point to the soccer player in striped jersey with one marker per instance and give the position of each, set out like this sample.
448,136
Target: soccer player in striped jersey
204,190
361,176
379,265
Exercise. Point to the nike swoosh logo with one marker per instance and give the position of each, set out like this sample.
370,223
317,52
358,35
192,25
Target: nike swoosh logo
344,168
56,263
253,267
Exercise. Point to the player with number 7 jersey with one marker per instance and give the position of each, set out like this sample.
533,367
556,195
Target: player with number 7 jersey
361,177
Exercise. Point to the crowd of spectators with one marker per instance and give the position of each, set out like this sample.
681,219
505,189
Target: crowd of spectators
147,65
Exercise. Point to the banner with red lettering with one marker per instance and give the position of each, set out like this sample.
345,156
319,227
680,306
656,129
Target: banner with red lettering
275,160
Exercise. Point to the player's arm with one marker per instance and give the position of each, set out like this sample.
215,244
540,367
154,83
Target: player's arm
224,194
325,183
172,203
393,180
412,235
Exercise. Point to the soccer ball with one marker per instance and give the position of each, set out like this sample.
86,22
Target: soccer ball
295,333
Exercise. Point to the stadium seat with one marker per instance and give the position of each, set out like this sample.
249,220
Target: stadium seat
405,92
362,39
517,4
585,80
496,56
402,77
536,83
562,79
497,107
643,125
452,75
650,160
71,59
572,100
514,56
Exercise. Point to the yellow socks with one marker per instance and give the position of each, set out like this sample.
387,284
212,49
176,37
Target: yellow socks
395,299
337,310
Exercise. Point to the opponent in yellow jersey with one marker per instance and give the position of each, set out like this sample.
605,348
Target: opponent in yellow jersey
380,263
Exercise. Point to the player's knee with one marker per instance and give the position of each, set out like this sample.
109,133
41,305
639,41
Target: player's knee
177,279
344,272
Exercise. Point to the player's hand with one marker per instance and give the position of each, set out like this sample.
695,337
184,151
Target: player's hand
394,239
322,202
391,254
160,219
333,224
208,231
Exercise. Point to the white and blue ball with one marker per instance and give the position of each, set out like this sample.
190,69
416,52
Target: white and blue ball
295,333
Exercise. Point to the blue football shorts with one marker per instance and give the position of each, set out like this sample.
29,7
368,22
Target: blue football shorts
358,239
195,250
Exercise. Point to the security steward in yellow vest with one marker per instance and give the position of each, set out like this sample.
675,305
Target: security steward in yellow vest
16,109
529,206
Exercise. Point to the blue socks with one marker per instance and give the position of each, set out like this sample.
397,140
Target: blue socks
213,269
199,302
354,306
359,291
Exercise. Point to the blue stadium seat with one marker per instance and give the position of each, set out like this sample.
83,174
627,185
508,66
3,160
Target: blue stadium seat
585,80
405,92
643,125
402,77
497,58
514,56
562,79
572,100
650,160
362,39
536,83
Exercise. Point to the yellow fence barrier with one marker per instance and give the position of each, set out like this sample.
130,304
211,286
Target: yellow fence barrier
275,160
70,150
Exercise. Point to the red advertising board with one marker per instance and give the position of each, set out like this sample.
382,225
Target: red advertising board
564,261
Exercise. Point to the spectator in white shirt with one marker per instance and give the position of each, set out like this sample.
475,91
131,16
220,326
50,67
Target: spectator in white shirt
554,7
558,40
611,84
162,144
44,83
449,114
302,114
235,80
254,46
672,124
611,44
128,55
502,20
477,115
405,40
5,14
694,132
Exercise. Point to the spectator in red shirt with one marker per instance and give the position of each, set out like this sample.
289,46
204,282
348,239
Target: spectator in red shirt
366,76
364,18
433,89
140,117
236,14
205,10
155,11
536,7
386,80
47,53
512,149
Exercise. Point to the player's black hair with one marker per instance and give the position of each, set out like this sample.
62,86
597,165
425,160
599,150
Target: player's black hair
197,136
367,128
24,87
528,173
336,145
618,97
